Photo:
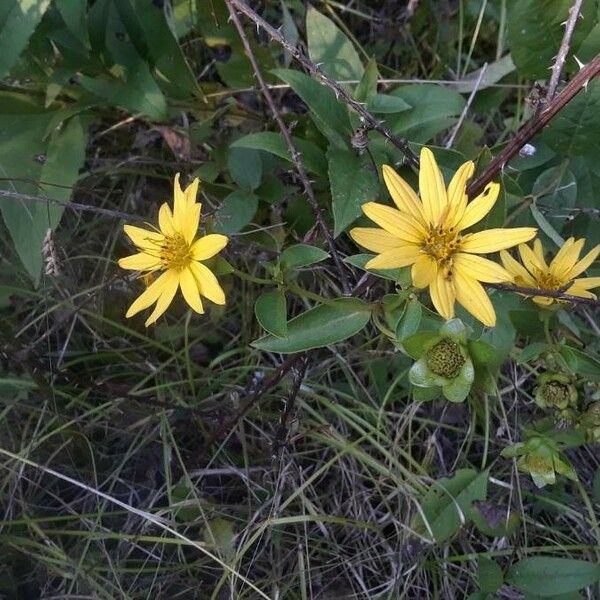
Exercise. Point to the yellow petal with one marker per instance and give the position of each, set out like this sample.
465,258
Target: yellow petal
150,295
480,268
431,187
539,252
521,275
190,291
179,198
208,246
396,258
566,258
457,193
375,239
191,191
470,293
165,220
543,300
393,221
140,262
191,222
207,283
166,296
531,261
492,240
143,238
424,271
402,194
585,283
480,206
585,262
443,294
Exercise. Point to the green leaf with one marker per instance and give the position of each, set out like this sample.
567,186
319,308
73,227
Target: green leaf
270,309
18,20
329,47
367,87
433,110
548,576
312,156
448,503
329,114
320,326
302,255
588,366
416,344
410,320
289,32
386,103
36,167
489,575
236,211
535,31
401,276
245,167
353,183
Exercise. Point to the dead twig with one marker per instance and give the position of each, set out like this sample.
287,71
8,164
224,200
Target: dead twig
368,119
536,124
294,154
563,51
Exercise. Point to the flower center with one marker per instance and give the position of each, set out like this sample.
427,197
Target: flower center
445,358
441,243
175,252
547,281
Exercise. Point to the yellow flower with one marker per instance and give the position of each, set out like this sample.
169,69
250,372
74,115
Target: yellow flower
562,274
427,233
174,250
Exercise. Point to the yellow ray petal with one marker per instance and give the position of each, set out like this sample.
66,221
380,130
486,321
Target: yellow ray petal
539,252
443,295
150,295
166,296
566,257
402,194
521,275
470,293
531,261
480,206
424,271
165,220
179,197
191,191
396,258
586,283
431,187
402,226
480,268
140,262
585,262
375,239
457,193
143,238
190,223
208,246
543,300
492,240
190,291
207,283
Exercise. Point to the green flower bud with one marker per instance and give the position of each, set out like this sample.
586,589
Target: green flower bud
565,419
445,358
555,391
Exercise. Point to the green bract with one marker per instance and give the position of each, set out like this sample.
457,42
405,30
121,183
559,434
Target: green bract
443,362
540,457
590,421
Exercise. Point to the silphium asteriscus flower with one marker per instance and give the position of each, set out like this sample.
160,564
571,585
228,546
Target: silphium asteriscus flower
172,254
561,274
429,234
540,457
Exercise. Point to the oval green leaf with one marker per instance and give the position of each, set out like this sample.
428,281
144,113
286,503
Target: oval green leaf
271,312
320,326
302,255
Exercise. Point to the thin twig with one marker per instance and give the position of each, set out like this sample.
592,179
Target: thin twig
558,295
295,155
536,124
563,51
400,142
